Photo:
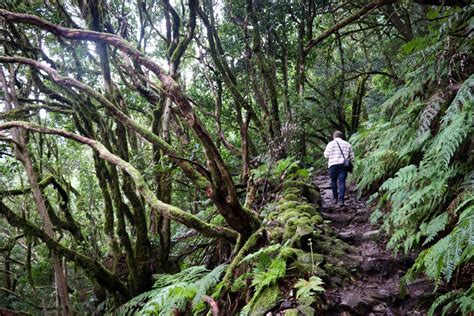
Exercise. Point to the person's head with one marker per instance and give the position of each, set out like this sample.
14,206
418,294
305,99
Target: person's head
337,134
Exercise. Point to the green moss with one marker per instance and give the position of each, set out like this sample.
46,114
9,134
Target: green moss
331,246
266,300
275,234
284,217
292,191
289,233
291,312
307,208
292,197
334,270
290,253
286,205
317,219
272,216
298,268
312,195
294,184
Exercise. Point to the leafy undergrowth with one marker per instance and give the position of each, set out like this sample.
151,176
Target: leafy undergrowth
418,157
285,265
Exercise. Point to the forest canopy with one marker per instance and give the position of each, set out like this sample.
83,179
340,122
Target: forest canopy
159,156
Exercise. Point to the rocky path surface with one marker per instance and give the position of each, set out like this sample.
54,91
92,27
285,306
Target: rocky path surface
374,289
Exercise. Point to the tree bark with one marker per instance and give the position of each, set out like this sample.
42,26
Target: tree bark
223,193
165,209
23,155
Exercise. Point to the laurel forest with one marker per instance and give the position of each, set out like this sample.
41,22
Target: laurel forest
166,157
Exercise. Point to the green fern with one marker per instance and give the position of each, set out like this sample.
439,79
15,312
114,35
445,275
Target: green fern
454,302
421,167
440,260
174,292
434,227
268,276
264,276
430,112
265,251
306,289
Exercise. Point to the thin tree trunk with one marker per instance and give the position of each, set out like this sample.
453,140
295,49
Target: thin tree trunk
23,155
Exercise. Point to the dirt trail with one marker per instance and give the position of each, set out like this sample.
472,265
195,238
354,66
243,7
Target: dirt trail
374,289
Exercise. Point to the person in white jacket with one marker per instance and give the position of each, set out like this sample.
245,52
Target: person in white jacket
336,152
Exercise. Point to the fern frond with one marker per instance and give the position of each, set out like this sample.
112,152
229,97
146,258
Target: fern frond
174,291
434,227
403,177
430,112
276,270
464,301
265,251
464,95
445,256
306,289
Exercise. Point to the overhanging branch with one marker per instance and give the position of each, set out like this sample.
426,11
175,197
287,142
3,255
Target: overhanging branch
356,16
164,209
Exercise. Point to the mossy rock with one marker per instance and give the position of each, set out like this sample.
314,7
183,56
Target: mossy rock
275,234
318,219
296,228
300,185
306,310
285,205
292,190
303,229
291,312
266,300
333,270
293,197
331,246
312,195
307,257
285,216
297,268
290,253
307,208
328,230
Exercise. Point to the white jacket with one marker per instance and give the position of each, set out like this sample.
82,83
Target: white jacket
333,153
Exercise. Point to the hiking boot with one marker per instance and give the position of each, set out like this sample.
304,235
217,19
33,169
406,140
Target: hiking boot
334,201
340,204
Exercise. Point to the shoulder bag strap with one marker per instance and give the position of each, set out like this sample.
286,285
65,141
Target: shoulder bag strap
340,150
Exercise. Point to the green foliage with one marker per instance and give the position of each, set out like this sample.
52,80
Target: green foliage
306,289
174,291
447,254
267,276
415,155
263,252
454,302
287,168
266,272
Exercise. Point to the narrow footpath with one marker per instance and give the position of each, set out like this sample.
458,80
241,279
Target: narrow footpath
376,275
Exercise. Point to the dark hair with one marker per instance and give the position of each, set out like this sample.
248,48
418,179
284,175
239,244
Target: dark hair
337,134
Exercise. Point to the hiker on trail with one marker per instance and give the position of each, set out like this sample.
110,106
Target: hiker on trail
340,156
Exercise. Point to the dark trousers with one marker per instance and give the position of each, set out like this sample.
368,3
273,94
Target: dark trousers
338,174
